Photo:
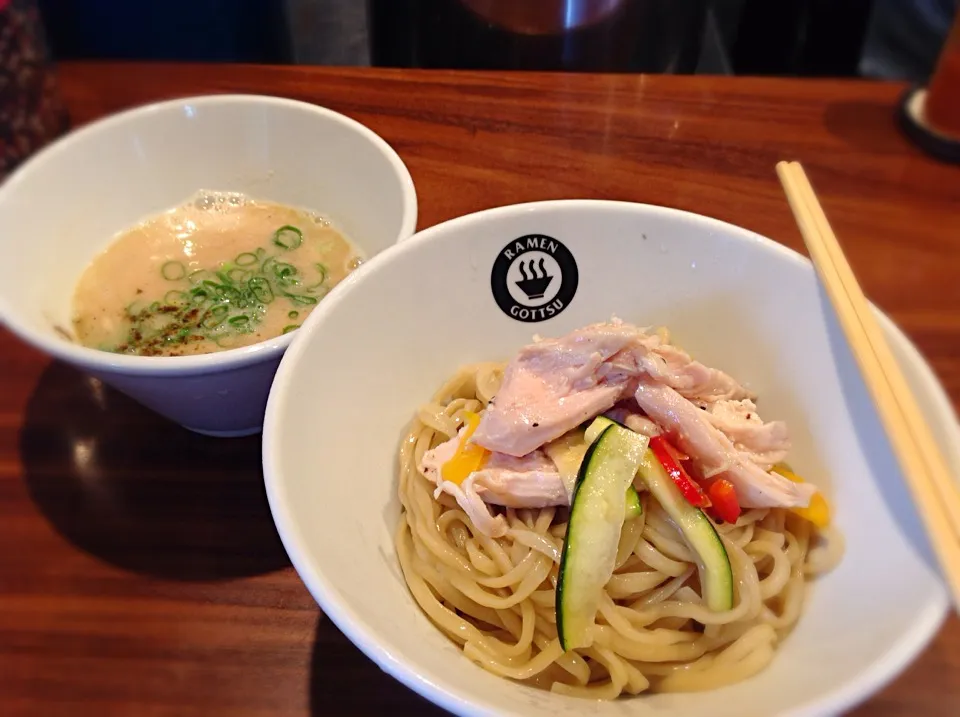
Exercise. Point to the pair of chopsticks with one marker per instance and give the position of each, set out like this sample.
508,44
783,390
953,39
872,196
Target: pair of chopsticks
933,488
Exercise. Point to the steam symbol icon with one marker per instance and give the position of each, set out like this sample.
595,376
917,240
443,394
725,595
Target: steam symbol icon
535,279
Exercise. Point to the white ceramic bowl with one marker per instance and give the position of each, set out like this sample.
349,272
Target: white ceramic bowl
68,202
735,300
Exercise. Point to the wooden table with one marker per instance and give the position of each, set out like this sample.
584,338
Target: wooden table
140,572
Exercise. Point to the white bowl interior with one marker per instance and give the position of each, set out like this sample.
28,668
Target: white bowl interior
342,397
69,201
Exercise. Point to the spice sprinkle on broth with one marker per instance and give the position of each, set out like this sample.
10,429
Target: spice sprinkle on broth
220,271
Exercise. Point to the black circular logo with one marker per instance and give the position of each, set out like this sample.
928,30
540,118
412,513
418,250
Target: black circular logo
534,278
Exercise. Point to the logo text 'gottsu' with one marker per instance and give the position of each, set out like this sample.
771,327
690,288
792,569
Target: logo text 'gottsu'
534,278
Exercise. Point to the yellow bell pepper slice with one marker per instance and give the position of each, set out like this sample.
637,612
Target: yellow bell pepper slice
469,457
818,512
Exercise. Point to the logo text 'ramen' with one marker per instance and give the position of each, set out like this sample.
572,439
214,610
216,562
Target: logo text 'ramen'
534,278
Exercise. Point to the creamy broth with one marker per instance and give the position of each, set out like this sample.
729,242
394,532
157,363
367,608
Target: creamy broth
219,271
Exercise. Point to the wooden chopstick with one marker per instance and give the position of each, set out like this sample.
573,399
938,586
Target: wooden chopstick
901,393
934,490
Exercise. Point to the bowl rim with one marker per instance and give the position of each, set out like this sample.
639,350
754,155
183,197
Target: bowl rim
216,362
885,667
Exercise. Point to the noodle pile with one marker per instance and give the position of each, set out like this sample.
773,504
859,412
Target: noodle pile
495,597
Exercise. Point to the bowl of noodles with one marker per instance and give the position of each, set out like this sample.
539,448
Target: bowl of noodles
588,455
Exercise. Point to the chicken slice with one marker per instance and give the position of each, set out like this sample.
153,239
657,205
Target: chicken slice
531,481
691,379
715,454
634,420
551,387
493,526
767,443
647,355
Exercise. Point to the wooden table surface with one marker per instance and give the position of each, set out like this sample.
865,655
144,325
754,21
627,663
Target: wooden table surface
140,572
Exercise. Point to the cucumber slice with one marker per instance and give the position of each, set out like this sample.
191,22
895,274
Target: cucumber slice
597,512
713,563
567,454
716,575
597,427
634,509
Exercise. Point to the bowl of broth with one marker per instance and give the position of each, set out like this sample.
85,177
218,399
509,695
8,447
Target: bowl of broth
173,250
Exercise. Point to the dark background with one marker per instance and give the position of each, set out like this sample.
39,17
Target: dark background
896,39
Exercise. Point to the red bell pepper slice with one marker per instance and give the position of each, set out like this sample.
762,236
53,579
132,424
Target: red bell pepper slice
723,498
664,453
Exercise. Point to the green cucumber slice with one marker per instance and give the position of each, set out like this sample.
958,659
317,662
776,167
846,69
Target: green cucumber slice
716,575
597,427
634,508
567,454
713,563
597,512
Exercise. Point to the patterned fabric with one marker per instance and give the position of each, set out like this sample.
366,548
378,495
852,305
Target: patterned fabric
31,109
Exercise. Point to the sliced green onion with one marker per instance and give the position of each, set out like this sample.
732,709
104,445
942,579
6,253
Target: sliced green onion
179,337
261,289
302,298
323,277
232,295
211,321
288,237
285,273
227,301
238,275
173,270
195,277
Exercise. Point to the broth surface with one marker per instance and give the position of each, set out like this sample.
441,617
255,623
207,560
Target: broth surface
220,271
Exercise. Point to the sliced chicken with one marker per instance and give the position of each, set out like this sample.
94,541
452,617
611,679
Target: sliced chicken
433,460
691,379
493,526
554,385
532,481
715,454
648,355
767,443
551,387
529,482
634,420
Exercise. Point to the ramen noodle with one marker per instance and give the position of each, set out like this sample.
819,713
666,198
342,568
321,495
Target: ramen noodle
532,541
